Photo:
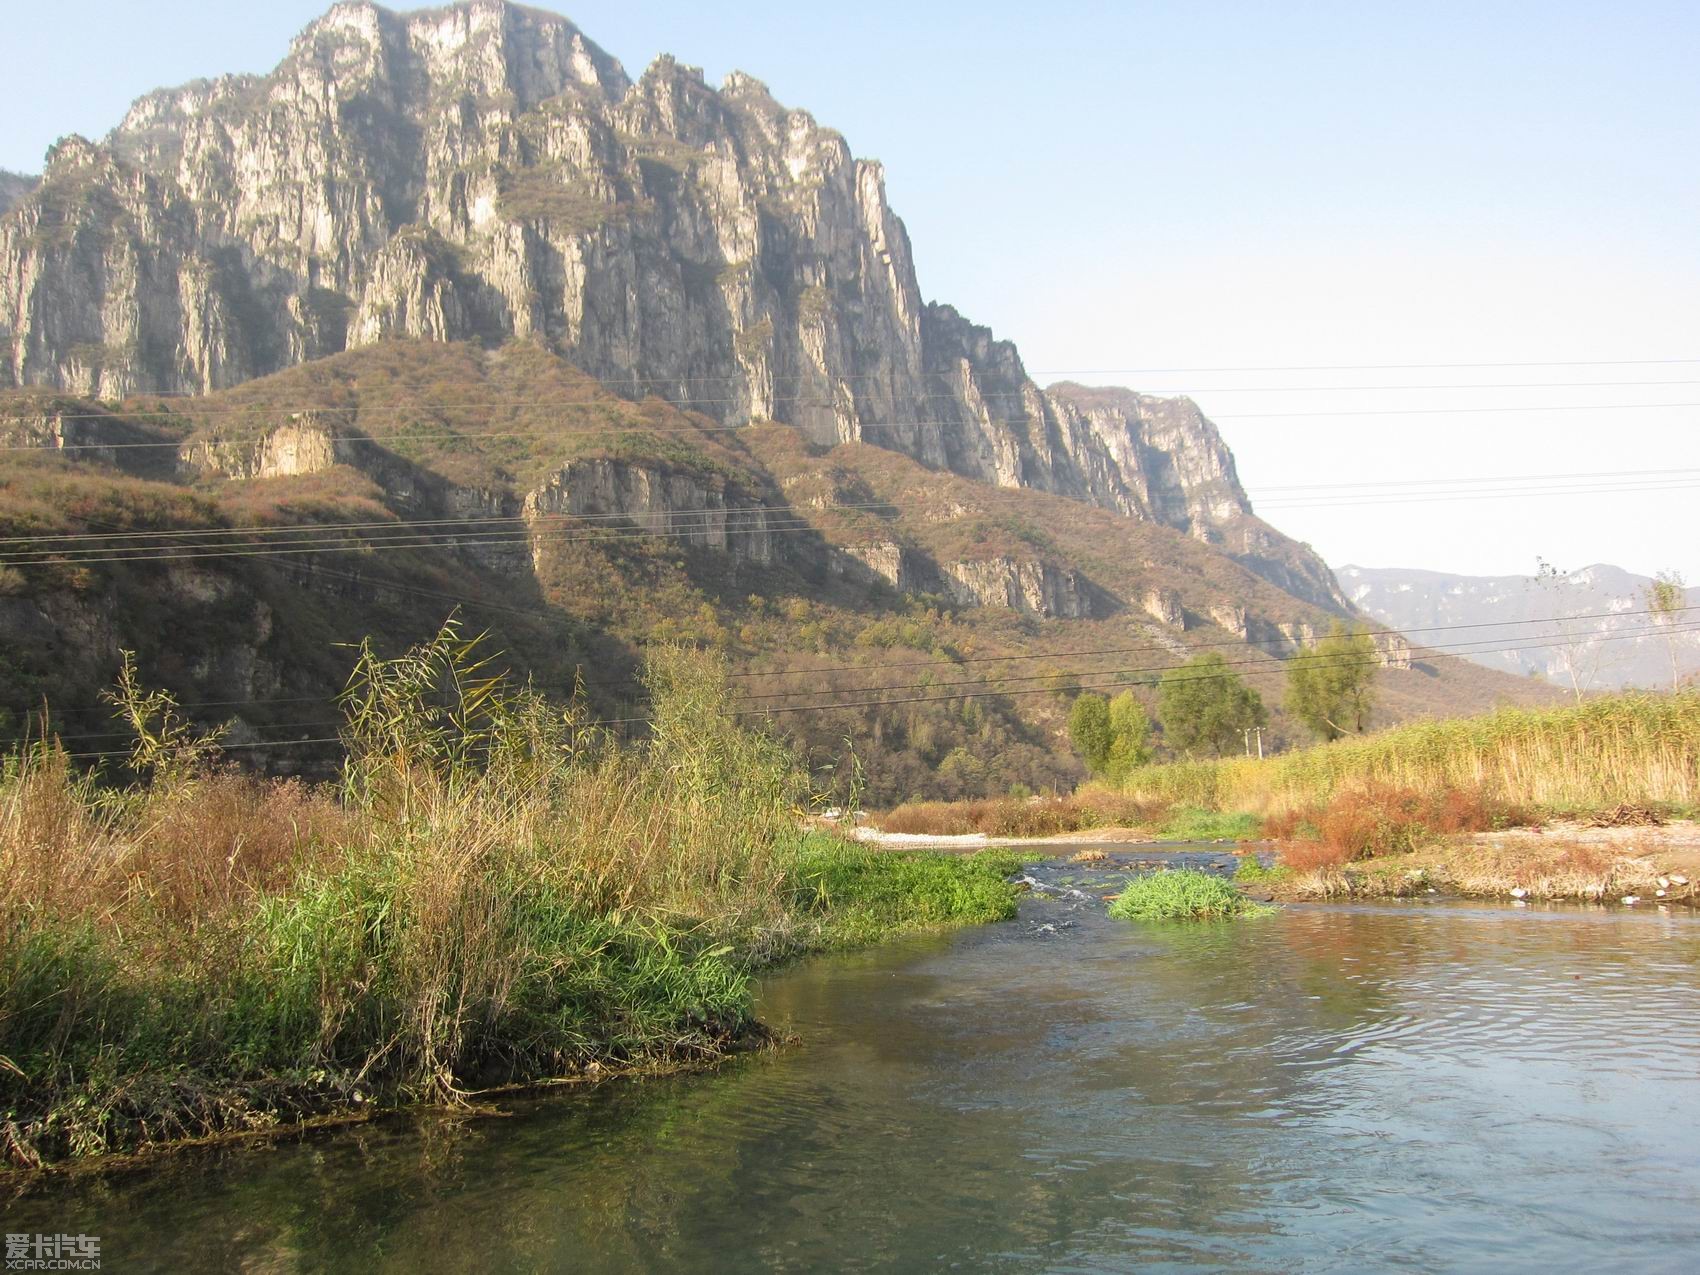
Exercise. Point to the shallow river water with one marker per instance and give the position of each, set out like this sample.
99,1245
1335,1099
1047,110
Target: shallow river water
1423,1087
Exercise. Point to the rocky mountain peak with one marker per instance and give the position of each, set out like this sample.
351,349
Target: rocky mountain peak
483,172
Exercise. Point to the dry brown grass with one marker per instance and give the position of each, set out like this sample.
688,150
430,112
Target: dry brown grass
1021,817
1635,748
187,852
1479,868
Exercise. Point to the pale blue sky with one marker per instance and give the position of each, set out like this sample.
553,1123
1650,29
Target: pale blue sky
1208,185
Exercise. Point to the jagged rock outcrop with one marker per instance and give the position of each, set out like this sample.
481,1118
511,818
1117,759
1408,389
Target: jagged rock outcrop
1394,650
1164,606
304,444
898,565
484,171
689,507
1233,618
1036,588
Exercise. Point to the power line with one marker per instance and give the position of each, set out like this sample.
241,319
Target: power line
1262,661
556,429
1376,662
684,525
122,413
1090,653
623,379
1369,487
1446,497
1475,478
1202,675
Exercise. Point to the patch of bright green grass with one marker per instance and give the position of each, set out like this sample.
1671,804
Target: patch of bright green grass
1251,869
1183,895
859,895
1191,823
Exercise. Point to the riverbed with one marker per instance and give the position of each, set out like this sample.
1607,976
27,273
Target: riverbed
1333,1088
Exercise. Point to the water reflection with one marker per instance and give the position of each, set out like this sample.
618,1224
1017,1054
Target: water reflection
1329,1089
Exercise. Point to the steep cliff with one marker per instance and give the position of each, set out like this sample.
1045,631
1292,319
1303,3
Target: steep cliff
484,171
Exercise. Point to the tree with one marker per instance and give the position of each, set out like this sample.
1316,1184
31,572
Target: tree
1089,731
1130,735
1667,600
1205,708
1329,688
1111,737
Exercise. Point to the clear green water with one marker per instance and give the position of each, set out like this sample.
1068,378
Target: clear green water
1331,1089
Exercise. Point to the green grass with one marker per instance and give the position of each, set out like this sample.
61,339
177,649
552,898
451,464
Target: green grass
1192,823
858,895
1183,894
1252,871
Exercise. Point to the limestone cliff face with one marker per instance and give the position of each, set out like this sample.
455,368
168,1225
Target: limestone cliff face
304,444
686,506
484,171
1034,588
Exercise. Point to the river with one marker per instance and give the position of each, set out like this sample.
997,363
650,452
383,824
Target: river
1424,1087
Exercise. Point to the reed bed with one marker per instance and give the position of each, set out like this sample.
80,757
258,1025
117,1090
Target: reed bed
1019,816
1633,748
494,892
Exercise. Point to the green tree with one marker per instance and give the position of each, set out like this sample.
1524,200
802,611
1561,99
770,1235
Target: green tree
1130,735
1089,731
1205,708
1329,688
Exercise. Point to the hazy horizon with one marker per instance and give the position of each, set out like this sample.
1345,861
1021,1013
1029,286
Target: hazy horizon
1134,197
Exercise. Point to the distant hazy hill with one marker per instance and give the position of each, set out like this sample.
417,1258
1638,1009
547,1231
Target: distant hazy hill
1629,653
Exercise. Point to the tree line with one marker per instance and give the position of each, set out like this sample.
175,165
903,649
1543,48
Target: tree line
1205,709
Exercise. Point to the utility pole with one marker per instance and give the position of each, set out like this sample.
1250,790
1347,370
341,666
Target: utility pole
1247,732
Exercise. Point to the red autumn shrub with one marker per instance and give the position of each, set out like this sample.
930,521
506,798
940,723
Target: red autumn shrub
1308,856
1385,819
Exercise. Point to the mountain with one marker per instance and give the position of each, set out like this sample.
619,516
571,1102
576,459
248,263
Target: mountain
485,172
13,187
647,358
1618,645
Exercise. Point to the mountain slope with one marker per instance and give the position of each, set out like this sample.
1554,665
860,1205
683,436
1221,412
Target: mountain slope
484,172
235,539
1637,652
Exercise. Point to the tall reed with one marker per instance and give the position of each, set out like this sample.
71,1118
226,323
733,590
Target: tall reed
495,891
1642,748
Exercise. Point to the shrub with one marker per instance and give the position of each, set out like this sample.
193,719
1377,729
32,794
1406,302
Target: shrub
1182,894
1312,856
499,893
1381,819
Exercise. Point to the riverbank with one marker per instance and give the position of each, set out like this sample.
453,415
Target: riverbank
1064,1090
496,893
1566,861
